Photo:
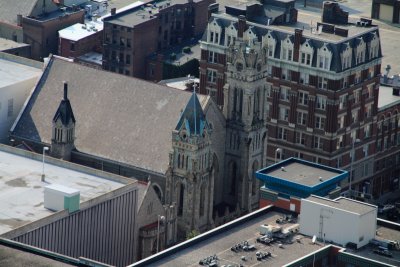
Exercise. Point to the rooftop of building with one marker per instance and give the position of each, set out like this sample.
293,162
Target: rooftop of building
92,57
220,244
179,83
141,12
386,97
6,44
304,21
14,69
22,191
13,257
80,31
346,204
284,252
115,98
55,14
300,172
10,9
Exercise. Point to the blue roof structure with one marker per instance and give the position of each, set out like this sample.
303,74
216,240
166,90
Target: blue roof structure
300,178
192,117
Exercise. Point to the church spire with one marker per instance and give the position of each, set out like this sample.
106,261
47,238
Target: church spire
64,111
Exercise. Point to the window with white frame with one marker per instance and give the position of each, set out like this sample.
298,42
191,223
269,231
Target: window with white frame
304,78
283,113
340,142
269,70
282,133
230,34
306,52
318,142
374,46
341,120
249,36
354,116
320,122
212,57
270,43
367,131
365,150
300,138
346,56
303,98
360,51
284,95
370,90
286,74
301,117
287,49
213,32
368,111
342,101
211,75
321,102
322,83
357,94
371,72
324,57
357,78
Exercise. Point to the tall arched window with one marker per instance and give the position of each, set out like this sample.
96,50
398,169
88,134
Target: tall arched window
181,192
202,198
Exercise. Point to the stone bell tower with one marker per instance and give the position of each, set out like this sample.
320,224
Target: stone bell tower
189,181
63,129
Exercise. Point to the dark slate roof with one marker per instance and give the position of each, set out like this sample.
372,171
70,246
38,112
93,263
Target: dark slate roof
192,117
64,111
119,118
9,9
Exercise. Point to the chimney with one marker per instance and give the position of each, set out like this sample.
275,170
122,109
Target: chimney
65,90
241,26
298,33
213,8
113,11
19,20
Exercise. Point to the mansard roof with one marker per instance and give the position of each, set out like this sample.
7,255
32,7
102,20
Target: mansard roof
122,119
64,111
192,117
281,32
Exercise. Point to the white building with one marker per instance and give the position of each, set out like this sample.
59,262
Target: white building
18,76
340,221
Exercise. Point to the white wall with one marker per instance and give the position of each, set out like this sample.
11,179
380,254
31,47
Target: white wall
18,92
339,226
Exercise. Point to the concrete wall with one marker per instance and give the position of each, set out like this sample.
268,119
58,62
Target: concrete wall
17,94
336,224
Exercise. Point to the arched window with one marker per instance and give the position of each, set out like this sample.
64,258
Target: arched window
181,193
202,198
233,179
179,160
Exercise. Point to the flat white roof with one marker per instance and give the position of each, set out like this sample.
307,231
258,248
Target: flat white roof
386,97
22,192
79,31
12,72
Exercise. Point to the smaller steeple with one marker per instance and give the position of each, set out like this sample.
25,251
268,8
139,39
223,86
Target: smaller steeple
63,132
192,117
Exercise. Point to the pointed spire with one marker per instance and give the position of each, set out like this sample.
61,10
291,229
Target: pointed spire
192,117
64,111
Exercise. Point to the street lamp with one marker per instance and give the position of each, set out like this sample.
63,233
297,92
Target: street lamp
278,150
160,218
351,164
45,148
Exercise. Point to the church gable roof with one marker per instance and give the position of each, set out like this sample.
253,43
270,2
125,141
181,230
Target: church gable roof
192,117
119,118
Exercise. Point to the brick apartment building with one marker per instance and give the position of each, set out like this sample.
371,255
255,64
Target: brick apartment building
133,35
321,87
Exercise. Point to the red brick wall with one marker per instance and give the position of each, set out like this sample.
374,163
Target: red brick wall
83,46
282,203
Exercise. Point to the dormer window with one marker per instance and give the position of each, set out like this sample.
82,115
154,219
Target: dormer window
306,52
287,50
346,57
374,47
230,35
270,43
214,32
249,36
360,52
324,58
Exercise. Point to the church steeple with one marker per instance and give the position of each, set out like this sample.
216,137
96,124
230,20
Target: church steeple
63,132
189,182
